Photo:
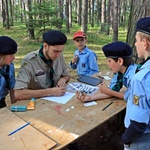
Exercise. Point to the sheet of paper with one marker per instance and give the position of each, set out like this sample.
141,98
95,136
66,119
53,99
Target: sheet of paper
60,99
107,77
90,103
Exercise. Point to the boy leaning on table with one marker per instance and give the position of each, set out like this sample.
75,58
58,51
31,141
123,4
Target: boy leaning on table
119,60
137,119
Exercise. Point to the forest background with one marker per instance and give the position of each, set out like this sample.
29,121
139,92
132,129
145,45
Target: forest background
103,21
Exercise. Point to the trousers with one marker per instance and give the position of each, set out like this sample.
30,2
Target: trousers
140,143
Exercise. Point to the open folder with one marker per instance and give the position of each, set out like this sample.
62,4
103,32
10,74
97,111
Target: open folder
90,80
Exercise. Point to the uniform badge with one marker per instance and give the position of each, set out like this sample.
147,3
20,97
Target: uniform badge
136,100
24,64
83,65
39,73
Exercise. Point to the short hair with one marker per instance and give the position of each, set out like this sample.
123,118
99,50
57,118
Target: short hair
143,36
126,61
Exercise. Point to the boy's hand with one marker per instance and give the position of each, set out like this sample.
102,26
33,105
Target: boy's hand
75,59
104,88
83,97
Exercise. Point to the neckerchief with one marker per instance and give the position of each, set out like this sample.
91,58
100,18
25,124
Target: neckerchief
139,65
50,65
119,83
6,76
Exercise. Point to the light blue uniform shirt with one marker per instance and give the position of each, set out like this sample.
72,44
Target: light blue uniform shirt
138,101
126,78
87,62
3,90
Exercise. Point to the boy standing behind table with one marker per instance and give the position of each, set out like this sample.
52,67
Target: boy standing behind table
137,119
84,60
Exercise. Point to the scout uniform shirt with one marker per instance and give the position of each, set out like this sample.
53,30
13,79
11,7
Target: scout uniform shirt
125,80
34,73
3,84
138,102
87,62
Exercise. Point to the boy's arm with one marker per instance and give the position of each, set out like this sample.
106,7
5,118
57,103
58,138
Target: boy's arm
86,98
72,65
93,64
135,129
108,91
12,97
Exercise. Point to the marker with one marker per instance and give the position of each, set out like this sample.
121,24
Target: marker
18,129
107,106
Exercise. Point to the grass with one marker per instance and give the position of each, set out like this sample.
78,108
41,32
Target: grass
26,45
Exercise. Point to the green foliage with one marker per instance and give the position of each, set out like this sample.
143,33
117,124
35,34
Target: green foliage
44,17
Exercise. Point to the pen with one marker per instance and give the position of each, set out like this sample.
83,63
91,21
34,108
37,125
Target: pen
18,129
107,106
57,85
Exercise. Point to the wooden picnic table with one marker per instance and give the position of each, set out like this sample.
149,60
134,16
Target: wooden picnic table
65,123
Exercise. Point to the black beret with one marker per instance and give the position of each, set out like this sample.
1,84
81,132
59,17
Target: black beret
143,25
117,49
7,45
54,37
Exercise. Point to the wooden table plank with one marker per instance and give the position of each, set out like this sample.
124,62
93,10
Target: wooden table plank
27,138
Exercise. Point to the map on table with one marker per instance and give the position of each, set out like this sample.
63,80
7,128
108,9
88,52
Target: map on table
81,87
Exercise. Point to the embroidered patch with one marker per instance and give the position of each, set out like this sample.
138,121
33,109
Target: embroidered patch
24,64
136,100
39,73
83,65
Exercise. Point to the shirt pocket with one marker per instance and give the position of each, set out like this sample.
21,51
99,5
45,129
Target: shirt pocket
42,80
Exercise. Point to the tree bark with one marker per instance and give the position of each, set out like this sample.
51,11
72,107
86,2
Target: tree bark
84,15
138,9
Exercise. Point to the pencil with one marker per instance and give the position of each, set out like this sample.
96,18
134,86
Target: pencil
18,129
107,106
57,85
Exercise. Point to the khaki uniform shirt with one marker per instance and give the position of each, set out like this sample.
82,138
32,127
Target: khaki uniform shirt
34,73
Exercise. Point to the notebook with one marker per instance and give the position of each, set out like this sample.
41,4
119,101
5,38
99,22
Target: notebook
90,80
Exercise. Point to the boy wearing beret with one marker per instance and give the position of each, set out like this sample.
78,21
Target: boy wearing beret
84,60
8,47
43,72
119,60
137,119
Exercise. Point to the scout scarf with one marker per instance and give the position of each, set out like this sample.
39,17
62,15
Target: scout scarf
119,83
139,65
6,76
50,65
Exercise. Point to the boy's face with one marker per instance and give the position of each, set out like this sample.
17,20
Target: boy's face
139,44
80,43
9,59
115,66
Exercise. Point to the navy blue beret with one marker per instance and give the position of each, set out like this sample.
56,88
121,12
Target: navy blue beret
7,45
117,49
54,37
143,25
